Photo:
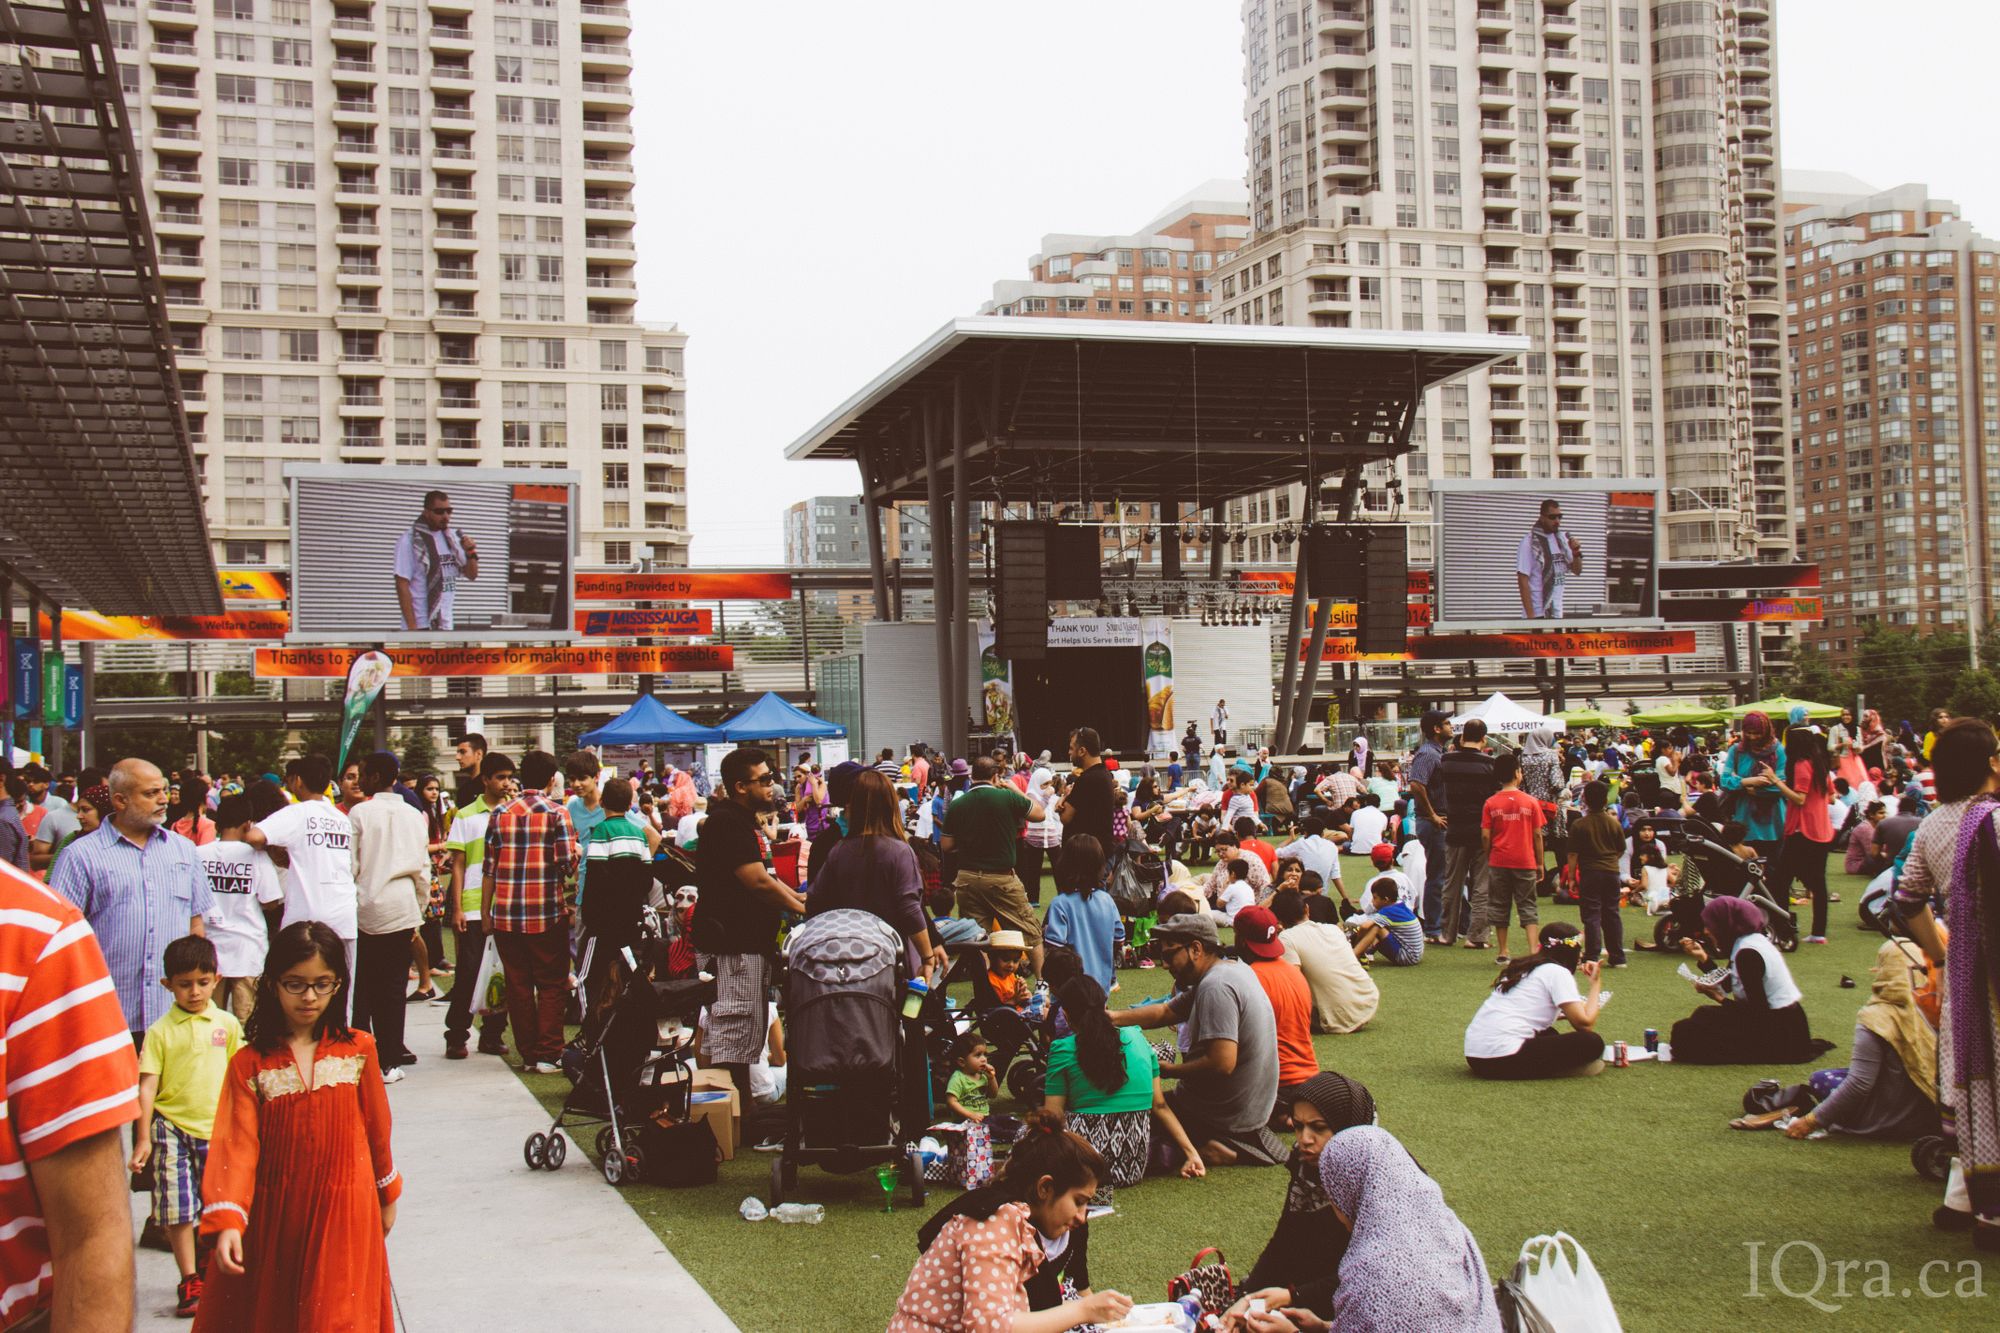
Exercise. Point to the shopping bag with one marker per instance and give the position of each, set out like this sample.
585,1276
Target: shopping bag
1549,1293
489,990
1210,1283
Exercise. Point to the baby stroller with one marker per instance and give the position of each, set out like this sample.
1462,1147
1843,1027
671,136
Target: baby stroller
846,1098
620,1067
1711,870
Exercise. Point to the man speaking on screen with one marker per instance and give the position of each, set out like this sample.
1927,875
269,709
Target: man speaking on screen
1547,558
431,558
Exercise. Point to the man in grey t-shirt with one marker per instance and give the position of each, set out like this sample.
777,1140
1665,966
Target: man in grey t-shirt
1228,1075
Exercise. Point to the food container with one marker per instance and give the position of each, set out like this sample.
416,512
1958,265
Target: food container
1666,1053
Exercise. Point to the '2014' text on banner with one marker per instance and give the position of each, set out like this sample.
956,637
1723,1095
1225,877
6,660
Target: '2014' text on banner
573,660
662,620
1460,647
685,585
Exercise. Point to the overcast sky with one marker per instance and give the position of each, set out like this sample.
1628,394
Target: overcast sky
821,186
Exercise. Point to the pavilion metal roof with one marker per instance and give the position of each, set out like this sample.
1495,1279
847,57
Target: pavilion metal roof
100,495
1065,409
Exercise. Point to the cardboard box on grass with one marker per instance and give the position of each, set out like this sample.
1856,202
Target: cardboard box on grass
715,1099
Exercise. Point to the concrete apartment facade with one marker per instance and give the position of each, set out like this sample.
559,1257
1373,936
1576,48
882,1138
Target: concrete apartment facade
403,234
1895,381
1600,177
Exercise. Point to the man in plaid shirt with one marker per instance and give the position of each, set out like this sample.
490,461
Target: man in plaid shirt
531,857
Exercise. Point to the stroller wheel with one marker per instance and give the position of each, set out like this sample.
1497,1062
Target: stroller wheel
558,1149
535,1150
777,1181
1024,1080
604,1143
1931,1156
635,1165
614,1168
1667,934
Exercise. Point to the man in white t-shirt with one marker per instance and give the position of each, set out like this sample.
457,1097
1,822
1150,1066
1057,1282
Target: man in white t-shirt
319,840
1543,565
244,883
431,558
1368,822
689,827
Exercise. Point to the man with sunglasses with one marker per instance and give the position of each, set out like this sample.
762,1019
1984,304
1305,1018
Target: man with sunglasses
431,559
736,917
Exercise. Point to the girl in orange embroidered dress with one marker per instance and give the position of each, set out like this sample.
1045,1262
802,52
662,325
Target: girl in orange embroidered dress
300,1191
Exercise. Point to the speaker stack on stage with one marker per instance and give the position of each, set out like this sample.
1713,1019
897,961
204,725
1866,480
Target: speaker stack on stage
1368,564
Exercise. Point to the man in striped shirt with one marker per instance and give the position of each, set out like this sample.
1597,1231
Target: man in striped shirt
141,887
72,1081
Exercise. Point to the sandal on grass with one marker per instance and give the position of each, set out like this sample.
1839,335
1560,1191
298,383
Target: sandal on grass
1752,1122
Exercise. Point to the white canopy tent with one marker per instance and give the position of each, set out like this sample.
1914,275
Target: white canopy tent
1503,715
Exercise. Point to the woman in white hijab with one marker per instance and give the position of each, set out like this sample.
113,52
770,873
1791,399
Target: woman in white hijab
1411,1266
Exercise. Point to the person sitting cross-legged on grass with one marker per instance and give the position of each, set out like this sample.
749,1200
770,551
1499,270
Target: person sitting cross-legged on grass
1001,1256
1106,1081
1227,1078
1392,929
1513,1036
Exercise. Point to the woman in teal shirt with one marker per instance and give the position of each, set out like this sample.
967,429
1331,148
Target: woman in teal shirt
1105,1081
1749,776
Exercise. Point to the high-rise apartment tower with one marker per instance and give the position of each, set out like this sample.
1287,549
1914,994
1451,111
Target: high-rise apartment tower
1600,177
403,233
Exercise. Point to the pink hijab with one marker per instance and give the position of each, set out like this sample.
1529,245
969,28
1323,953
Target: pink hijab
681,796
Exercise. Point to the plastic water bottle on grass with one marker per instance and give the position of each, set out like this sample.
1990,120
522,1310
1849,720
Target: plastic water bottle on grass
811,1214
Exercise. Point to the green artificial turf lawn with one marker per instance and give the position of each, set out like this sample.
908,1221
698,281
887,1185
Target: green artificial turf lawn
1639,1164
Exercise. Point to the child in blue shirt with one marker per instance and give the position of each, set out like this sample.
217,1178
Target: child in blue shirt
1392,928
1083,918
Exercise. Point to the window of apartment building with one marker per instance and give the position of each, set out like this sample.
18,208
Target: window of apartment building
549,231
1444,80
615,435
236,47
548,111
612,398
403,60
510,110
406,102
509,69
514,307
1451,256
548,189
552,434
513,189
242,255
511,147
294,176
406,142
243,344
237,131
551,353
236,89
544,32
294,258
403,20
548,150
235,11
295,51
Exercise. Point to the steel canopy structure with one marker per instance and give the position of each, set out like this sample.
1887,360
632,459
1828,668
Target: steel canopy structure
1005,411
101,505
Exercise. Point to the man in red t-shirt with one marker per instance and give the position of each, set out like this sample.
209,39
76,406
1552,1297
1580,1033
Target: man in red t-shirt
1510,826
1290,995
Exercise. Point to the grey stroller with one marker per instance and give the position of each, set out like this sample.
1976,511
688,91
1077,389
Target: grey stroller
851,1052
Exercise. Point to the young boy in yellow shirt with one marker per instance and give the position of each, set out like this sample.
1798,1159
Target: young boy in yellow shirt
181,1068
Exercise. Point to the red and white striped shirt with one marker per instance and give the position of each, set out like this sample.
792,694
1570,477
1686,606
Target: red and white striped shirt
66,1063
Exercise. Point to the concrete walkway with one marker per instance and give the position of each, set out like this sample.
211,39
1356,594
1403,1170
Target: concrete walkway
571,1243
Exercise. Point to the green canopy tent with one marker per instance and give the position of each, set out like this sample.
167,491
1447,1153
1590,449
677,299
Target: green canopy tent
1578,718
1677,715
1781,707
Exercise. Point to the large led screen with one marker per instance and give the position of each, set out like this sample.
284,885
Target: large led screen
1545,553
431,554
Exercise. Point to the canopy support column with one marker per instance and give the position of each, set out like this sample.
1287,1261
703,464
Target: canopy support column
871,513
1294,625
940,522
1350,494
961,573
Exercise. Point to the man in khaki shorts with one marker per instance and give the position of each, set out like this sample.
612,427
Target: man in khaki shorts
982,829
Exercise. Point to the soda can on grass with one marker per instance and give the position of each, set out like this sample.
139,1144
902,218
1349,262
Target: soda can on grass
1652,1039
1621,1055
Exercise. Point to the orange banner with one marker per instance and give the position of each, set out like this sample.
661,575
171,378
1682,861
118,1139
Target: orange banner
1732,610
1279,582
1460,647
679,620
254,585
89,627
704,584
516,661
1344,616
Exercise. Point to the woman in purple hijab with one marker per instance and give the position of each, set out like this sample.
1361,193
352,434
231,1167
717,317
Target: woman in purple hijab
1758,1017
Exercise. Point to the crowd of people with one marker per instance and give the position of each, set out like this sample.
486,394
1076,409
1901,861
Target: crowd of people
257,942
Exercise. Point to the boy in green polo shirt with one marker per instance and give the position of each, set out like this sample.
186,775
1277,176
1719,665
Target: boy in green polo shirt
619,852
181,1068
466,844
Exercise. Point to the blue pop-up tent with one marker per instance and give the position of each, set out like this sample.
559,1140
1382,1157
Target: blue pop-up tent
650,722
772,719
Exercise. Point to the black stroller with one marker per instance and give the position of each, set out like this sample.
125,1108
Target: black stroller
855,1062
621,1068
1711,870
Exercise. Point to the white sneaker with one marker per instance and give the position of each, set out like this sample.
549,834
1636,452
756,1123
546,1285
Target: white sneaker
544,1067
392,1076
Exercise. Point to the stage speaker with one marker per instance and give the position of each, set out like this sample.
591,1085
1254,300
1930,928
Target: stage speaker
1021,590
1076,568
1333,560
1382,616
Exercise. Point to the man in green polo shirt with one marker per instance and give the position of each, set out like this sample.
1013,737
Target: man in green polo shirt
982,829
467,844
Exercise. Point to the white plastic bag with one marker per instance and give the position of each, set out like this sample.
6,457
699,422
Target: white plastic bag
482,982
1553,1294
